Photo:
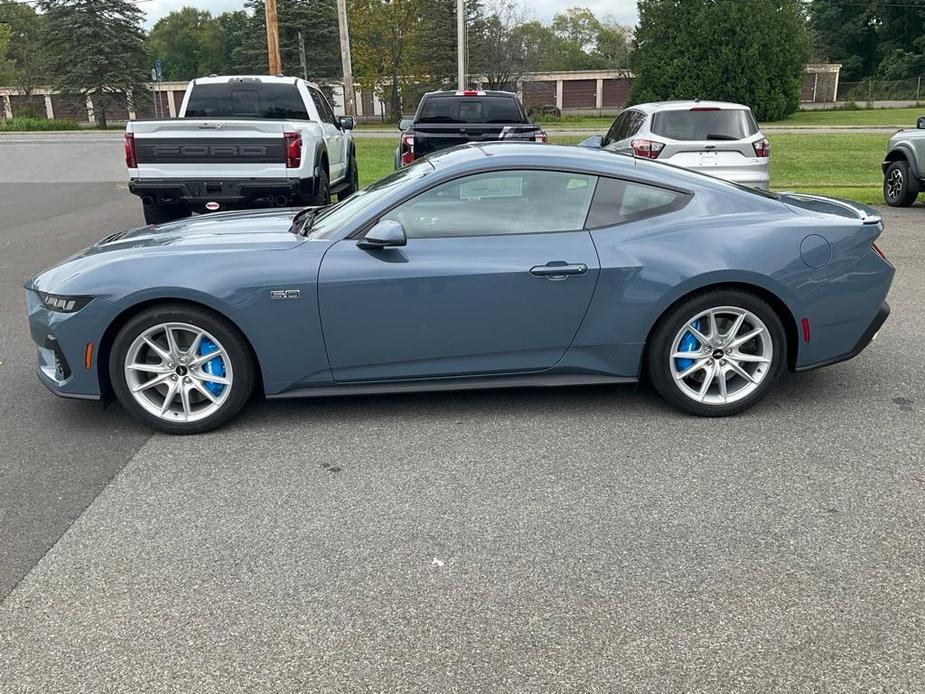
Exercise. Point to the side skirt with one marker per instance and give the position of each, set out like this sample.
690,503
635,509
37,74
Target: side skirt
465,383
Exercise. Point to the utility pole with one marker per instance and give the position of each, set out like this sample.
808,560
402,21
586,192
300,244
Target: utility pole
346,62
273,38
461,43
302,57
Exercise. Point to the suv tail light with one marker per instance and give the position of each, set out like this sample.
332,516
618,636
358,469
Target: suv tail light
647,148
407,149
762,147
131,161
541,136
293,150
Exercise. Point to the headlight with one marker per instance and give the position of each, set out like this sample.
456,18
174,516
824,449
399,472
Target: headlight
64,304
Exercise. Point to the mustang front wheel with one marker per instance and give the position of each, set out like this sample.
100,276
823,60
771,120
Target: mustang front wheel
717,354
181,369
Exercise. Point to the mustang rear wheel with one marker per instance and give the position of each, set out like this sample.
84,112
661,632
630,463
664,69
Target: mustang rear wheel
181,369
717,354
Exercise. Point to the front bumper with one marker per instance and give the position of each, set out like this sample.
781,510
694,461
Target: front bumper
61,342
229,193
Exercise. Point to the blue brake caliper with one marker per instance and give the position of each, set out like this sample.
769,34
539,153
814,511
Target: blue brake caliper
213,367
688,344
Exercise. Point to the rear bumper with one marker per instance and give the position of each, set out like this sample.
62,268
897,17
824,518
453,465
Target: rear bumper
229,193
866,338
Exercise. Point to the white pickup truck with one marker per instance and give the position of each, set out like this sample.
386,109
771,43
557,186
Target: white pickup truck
241,142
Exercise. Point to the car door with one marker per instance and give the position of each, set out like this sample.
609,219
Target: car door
496,277
333,135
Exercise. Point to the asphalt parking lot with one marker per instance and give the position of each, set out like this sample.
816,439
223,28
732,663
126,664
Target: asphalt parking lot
583,539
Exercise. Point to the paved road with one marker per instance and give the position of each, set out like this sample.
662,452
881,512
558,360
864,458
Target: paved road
575,539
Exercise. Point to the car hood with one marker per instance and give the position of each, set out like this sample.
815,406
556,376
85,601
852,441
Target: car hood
226,232
263,227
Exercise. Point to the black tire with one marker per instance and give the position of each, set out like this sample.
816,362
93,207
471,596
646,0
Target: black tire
660,347
161,214
353,178
900,188
227,334
322,190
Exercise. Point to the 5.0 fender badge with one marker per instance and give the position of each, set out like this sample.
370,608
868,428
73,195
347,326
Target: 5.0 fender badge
285,294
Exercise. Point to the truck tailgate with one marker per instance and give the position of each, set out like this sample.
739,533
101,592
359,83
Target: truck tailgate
189,148
431,137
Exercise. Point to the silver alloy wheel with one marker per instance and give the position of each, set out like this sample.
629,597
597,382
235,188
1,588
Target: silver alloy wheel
171,379
894,184
721,355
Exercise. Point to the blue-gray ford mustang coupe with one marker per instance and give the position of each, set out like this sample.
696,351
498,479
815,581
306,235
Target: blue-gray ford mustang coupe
483,266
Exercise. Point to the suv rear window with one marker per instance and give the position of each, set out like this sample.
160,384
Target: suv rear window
724,124
246,100
470,109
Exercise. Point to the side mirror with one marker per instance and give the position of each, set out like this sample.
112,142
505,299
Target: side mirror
346,122
405,123
920,123
386,233
593,142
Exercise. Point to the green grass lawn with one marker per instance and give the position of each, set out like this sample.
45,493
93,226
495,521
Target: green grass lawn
34,124
882,117
843,165
886,117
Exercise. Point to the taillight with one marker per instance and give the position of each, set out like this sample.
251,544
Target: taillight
293,143
878,251
407,149
762,147
131,161
647,148
541,137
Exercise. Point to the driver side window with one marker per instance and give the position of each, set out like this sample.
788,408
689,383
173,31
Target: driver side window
498,202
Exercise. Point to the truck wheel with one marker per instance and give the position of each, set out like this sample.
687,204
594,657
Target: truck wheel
322,194
161,214
900,188
353,177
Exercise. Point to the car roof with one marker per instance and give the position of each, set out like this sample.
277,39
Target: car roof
566,157
266,79
686,105
479,92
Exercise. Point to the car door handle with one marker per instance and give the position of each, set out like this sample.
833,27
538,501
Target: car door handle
558,271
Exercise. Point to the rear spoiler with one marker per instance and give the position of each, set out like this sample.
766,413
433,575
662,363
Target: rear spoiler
818,203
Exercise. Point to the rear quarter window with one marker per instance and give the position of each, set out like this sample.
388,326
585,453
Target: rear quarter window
724,124
617,201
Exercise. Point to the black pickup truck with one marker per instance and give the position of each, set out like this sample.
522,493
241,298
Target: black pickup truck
448,118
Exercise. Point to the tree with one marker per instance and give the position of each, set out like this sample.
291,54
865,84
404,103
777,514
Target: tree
6,65
384,40
315,19
613,43
96,49
579,27
505,46
26,53
189,42
749,52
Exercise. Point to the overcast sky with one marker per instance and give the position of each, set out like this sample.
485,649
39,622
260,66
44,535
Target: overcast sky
624,11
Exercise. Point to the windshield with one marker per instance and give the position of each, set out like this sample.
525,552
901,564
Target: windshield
480,109
335,217
246,99
718,124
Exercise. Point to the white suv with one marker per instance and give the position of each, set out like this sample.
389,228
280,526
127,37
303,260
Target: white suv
712,137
